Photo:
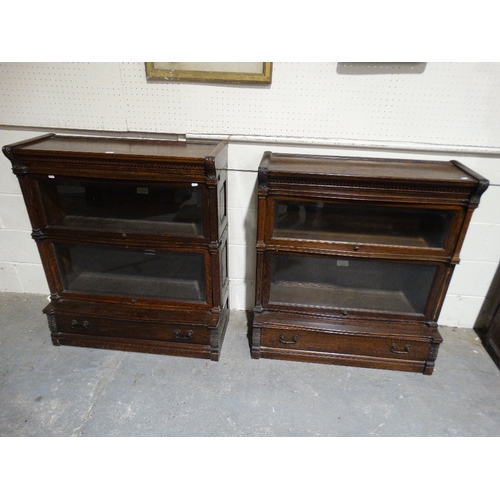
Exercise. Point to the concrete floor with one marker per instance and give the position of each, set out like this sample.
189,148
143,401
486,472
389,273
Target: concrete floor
67,391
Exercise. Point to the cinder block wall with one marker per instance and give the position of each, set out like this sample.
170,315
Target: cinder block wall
309,108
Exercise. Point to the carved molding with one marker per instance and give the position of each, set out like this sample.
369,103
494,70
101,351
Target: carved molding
367,185
262,177
38,234
214,339
256,340
107,164
256,337
433,352
51,319
210,170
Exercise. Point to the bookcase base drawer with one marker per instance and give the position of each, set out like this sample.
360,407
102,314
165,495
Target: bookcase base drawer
188,340
391,352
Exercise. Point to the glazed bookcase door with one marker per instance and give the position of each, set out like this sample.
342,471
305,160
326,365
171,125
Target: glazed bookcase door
124,206
353,286
125,272
352,225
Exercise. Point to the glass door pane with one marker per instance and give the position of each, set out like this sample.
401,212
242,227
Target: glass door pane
352,223
123,206
363,284
138,273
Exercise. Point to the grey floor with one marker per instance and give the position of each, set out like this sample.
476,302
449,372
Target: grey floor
67,391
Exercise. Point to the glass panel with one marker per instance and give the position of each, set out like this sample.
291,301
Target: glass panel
137,273
350,283
361,224
123,206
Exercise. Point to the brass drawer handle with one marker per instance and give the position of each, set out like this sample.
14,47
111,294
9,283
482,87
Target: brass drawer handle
406,351
293,341
179,336
76,326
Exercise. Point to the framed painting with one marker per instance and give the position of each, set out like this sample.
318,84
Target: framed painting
224,72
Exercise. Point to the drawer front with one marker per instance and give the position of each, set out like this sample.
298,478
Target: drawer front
119,328
347,344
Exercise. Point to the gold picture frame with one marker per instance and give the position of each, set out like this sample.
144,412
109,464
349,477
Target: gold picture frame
223,72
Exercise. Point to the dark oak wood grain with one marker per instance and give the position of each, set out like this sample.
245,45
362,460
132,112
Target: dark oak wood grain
491,334
355,255
132,236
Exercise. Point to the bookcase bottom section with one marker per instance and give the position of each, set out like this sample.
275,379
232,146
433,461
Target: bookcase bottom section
154,337
351,346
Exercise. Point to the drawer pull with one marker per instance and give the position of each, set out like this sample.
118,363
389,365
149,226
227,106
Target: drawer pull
406,351
293,341
179,336
76,326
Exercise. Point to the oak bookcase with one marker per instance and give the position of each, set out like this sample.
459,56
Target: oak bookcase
132,235
354,257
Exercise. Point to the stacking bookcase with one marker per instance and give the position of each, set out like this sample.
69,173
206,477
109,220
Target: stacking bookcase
132,235
354,257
